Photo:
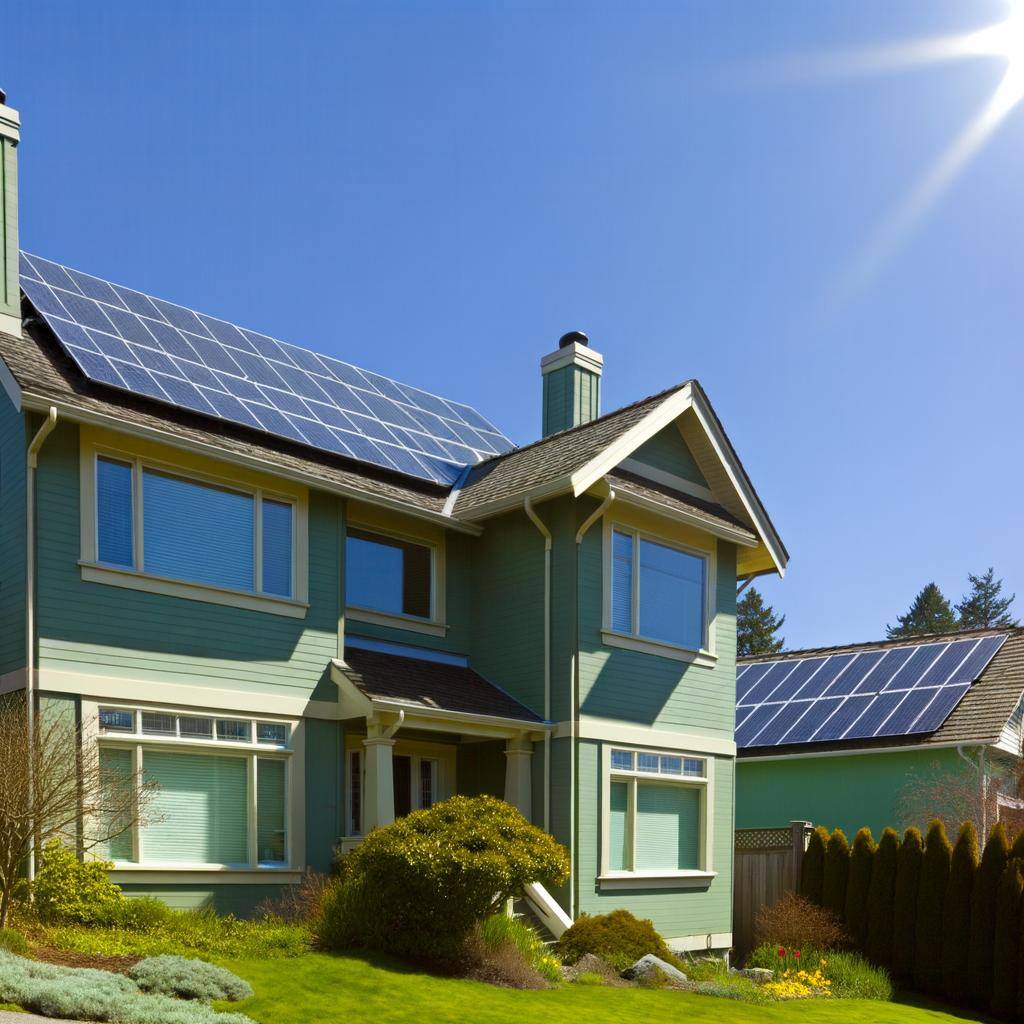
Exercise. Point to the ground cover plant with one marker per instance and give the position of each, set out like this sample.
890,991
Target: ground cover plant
618,938
188,979
514,951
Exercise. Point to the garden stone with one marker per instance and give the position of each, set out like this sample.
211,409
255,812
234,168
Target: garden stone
648,963
758,975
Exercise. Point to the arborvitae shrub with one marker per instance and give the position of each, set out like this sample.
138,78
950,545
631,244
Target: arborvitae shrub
1006,942
983,915
931,897
956,931
904,909
858,883
812,868
881,893
837,871
1017,847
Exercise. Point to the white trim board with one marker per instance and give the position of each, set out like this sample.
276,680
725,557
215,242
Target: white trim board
610,731
11,681
860,751
693,943
660,476
154,875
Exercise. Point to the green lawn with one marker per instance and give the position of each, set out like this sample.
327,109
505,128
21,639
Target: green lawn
326,989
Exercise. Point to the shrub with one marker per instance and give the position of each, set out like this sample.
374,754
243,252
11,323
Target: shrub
837,870
881,897
504,929
85,994
417,887
67,889
983,915
188,979
618,938
858,883
956,929
1006,942
13,942
812,867
931,897
796,922
904,906
302,902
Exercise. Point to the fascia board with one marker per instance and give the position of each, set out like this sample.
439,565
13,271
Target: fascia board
72,412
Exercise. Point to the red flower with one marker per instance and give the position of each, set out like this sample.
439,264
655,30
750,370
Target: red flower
782,952
796,953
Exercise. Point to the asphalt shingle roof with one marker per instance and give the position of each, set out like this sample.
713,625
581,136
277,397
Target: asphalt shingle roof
431,684
979,717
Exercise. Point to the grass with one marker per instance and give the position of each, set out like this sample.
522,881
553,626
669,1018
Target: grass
350,990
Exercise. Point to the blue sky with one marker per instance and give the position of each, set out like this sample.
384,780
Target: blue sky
437,191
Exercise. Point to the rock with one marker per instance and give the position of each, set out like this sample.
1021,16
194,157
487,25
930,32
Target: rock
758,975
649,963
591,964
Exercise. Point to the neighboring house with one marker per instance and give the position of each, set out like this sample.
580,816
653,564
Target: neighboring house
881,734
305,599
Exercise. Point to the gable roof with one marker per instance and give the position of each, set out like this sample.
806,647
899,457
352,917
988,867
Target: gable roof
985,715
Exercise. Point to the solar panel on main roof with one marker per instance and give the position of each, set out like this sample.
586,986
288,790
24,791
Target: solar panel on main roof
897,691
163,351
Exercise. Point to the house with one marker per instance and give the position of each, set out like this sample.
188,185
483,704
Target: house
882,734
305,599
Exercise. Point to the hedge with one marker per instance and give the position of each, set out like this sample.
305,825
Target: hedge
983,915
881,895
904,910
931,898
812,867
1006,942
858,884
836,874
956,930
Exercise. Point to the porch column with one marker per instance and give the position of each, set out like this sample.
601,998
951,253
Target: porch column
379,798
518,778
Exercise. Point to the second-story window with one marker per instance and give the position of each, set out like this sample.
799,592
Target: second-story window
658,591
193,531
385,574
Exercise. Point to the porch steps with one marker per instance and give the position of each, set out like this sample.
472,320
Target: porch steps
522,910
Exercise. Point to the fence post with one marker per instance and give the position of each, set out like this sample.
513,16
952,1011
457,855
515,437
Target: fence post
800,832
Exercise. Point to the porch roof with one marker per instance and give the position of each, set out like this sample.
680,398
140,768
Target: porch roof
429,686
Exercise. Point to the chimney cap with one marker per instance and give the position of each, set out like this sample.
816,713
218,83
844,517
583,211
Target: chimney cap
3,96
573,338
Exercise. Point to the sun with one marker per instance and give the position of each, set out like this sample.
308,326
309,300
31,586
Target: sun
1003,40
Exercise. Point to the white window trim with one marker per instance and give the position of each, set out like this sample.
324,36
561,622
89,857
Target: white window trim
136,578
705,655
442,755
699,877
293,757
435,624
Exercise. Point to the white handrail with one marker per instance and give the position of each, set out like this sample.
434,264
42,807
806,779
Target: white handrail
544,905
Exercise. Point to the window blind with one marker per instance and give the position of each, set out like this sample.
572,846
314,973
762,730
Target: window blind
277,548
196,532
114,514
115,779
270,820
618,810
671,595
667,827
200,812
622,582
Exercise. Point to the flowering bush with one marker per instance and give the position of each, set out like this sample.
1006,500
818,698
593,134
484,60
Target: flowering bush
800,984
850,975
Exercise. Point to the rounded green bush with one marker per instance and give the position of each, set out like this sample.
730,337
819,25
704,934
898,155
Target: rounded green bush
13,941
618,938
417,887
69,890
188,979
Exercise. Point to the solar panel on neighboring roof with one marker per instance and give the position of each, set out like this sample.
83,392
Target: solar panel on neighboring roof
896,691
163,351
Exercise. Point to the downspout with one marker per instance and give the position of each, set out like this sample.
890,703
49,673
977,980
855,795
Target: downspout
546,534
574,716
980,766
30,625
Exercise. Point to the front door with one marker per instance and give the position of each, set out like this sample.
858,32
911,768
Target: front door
402,769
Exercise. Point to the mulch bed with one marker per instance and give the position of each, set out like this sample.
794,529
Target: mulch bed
65,958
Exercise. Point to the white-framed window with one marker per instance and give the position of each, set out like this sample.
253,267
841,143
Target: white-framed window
388,574
222,787
657,817
171,525
659,590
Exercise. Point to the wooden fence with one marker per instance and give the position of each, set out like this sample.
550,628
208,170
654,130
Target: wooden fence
767,865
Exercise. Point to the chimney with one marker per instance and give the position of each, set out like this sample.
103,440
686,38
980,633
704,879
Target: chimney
10,294
572,384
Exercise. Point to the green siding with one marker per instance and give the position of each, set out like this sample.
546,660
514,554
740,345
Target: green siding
844,792
668,452
106,630
324,777
12,537
572,395
240,900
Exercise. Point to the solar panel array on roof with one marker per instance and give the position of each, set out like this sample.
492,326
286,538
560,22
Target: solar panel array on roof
163,351
897,691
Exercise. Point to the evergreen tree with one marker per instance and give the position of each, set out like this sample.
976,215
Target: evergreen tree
984,606
931,897
837,870
1006,942
904,911
812,867
930,613
956,932
983,915
859,882
757,626
881,895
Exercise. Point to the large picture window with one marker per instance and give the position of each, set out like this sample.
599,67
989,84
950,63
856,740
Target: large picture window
658,591
170,526
387,574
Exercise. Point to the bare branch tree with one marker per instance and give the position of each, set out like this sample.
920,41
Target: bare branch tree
953,795
57,788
